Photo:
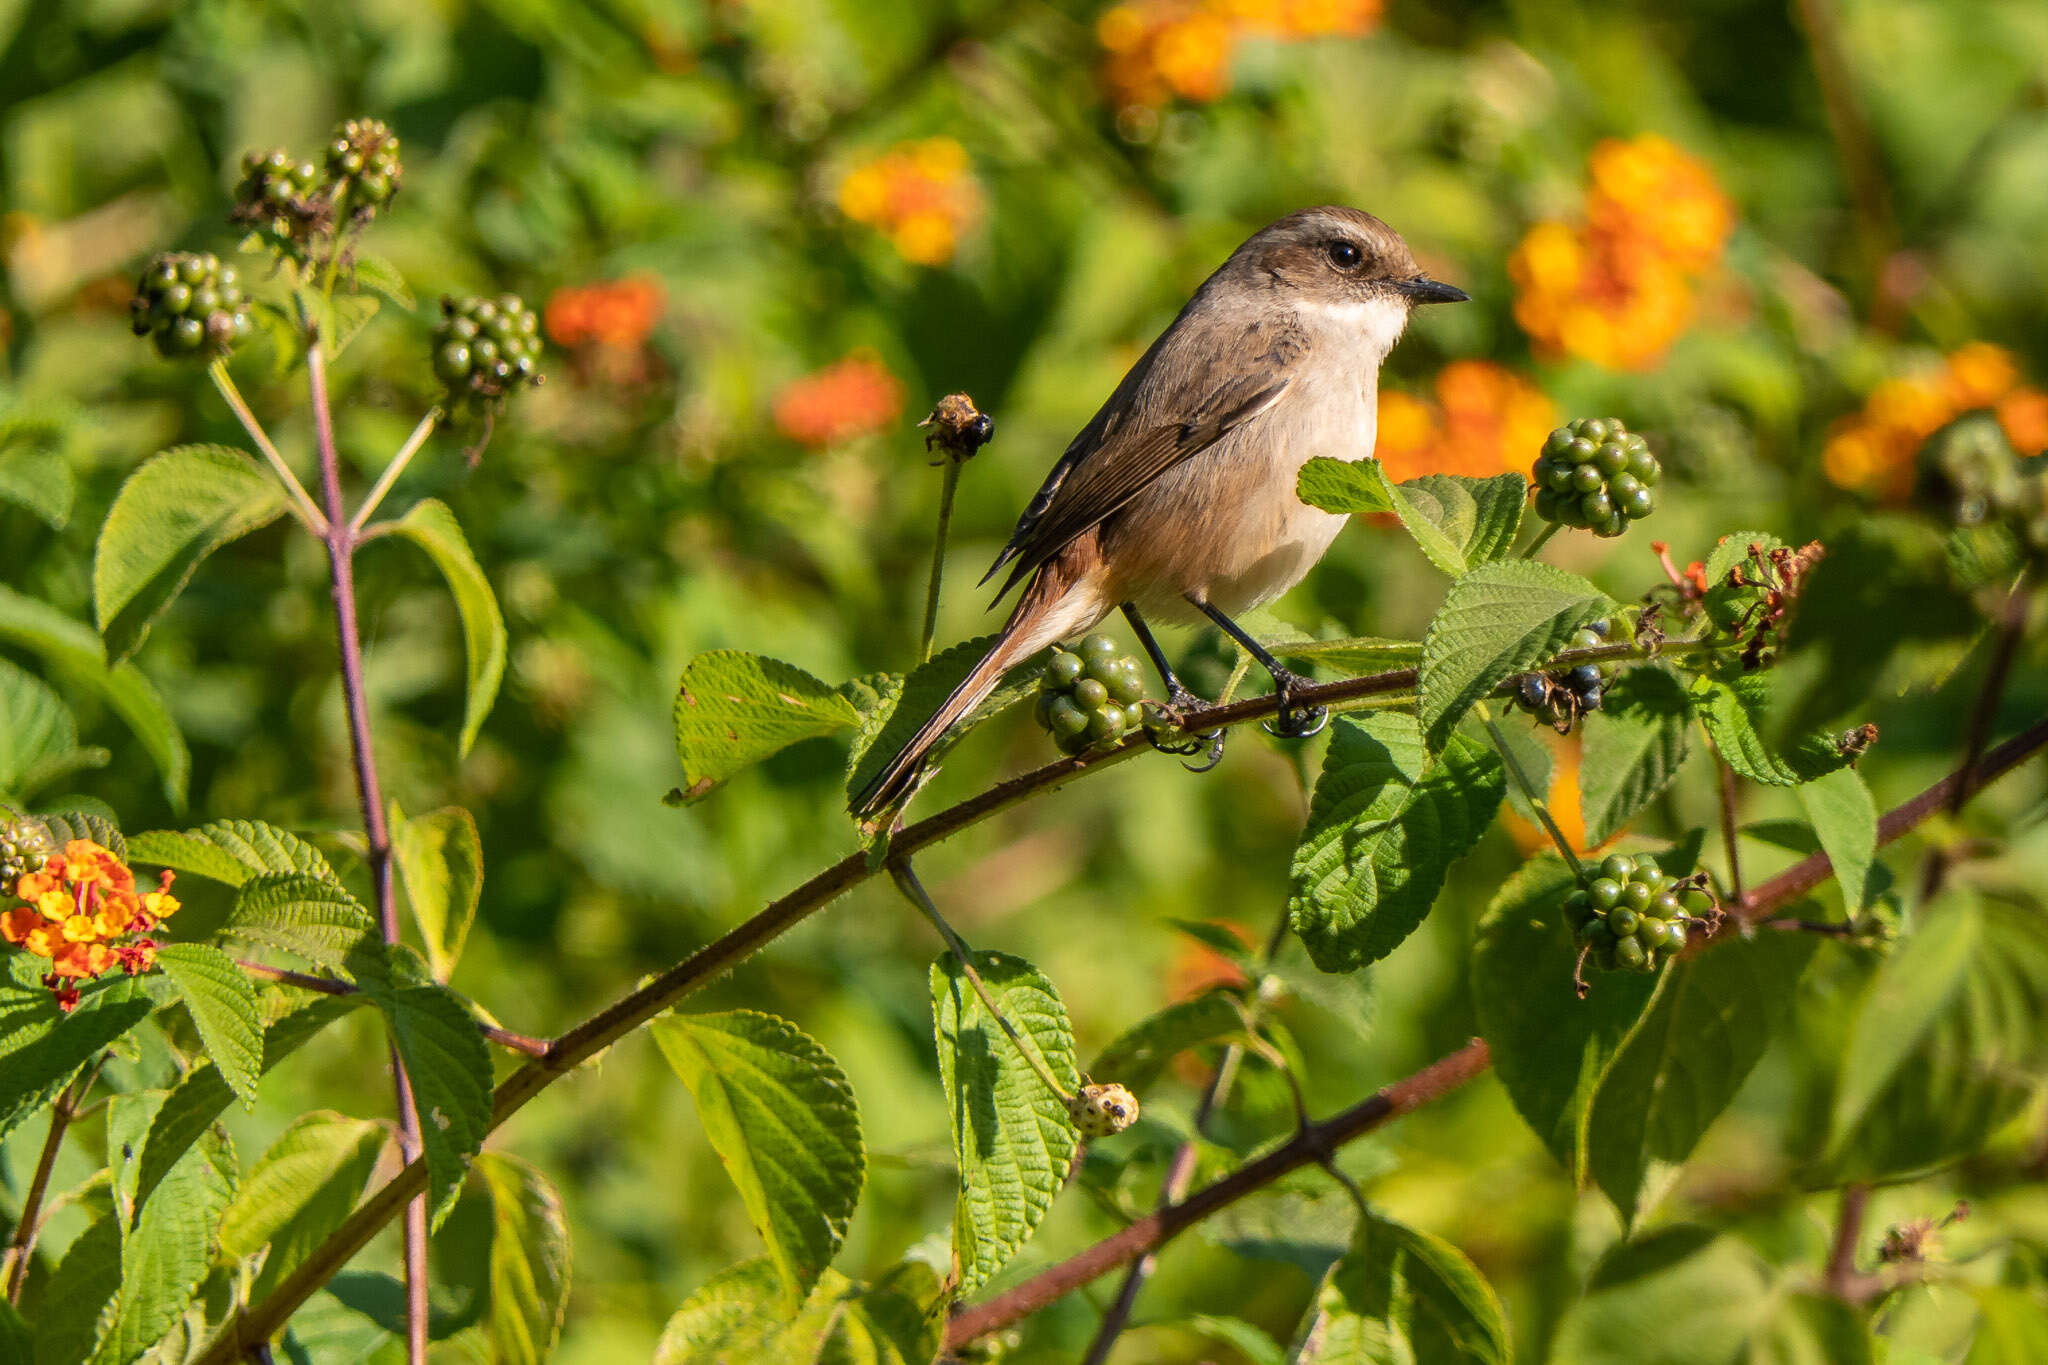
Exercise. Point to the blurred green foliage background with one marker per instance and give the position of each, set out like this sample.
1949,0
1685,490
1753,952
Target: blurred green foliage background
669,491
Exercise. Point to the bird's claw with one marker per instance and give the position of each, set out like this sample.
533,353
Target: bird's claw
1209,743
1291,721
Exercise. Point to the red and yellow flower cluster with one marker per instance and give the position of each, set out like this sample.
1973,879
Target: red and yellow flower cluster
1156,51
84,914
1486,420
1617,289
619,313
920,195
1875,449
849,398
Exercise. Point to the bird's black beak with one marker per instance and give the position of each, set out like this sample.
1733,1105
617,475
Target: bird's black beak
1423,289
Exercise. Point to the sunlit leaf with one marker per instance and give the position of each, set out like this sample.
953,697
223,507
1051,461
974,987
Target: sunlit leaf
440,858
222,1002
433,527
529,1260
300,1190
735,709
1498,620
1634,745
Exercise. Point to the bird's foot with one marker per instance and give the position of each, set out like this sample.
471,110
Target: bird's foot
1291,721
1178,705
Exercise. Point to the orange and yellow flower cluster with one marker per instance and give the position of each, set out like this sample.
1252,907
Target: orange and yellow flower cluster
84,914
1486,420
1617,289
618,313
849,398
922,196
1875,449
1157,51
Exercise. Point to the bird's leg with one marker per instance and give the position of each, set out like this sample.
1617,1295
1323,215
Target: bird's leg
1290,722
1179,701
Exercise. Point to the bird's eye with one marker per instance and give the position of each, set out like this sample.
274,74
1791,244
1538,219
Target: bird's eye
1344,255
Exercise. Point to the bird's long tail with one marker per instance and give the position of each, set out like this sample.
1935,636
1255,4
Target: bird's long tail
1046,612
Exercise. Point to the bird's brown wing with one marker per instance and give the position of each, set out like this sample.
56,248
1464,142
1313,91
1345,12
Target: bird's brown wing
1110,462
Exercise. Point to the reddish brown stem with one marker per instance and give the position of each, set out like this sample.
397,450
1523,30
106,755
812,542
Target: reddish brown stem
341,544
22,1248
1841,1271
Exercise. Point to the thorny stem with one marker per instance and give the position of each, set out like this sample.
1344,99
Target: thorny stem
931,592
301,502
1528,790
715,959
375,497
341,541
2012,621
23,1246
1841,1271
1542,539
913,889
1728,836
327,985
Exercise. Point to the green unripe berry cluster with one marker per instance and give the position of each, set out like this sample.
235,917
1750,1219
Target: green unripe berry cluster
1631,915
189,305
1596,475
362,161
24,847
484,350
1088,696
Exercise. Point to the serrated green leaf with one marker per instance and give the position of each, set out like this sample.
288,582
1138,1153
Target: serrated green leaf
170,1249
202,1096
1401,1294
735,709
440,858
902,711
74,1309
345,317
1384,827
1728,552
1462,522
35,471
743,1314
32,1073
1357,654
305,915
1346,486
781,1115
1498,620
36,729
1678,1068
529,1260
1948,1042
450,1071
231,852
433,527
1137,1056
1678,1296
300,1191
222,1002
368,271
898,1320
1549,1047
94,824
1844,819
171,514
1634,745
1733,709
1011,1137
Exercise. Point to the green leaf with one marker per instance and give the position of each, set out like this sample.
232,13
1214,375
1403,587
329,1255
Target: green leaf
432,526
1844,819
2012,1326
450,1070
1682,1063
170,1250
1634,745
1011,1136
1346,486
202,1096
781,1116
441,861
305,915
32,1073
1733,708
96,825
232,852
735,709
73,1313
300,1191
1401,1294
1678,1296
1549,1047
222,1002
76,651
1498,620
900,1319
529,1260
17,1338
1947,1044
904,708
38,734
345,316
35,469
1462,522
367,271
1142,1051
1383,830
743,1315
1247,1340
172,513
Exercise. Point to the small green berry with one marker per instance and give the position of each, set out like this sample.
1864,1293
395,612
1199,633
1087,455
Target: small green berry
1063,668
1619,866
